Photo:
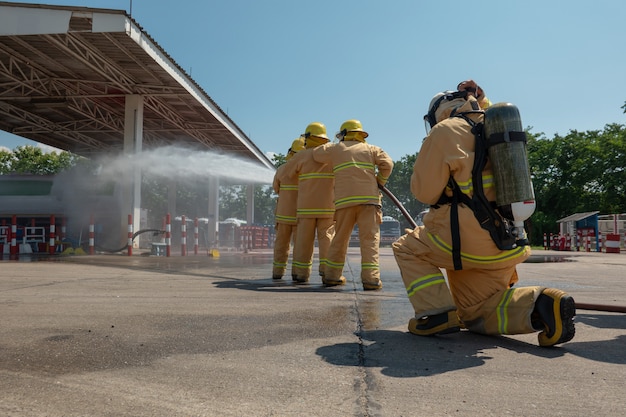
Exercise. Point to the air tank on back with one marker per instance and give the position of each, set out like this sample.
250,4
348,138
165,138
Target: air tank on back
506,145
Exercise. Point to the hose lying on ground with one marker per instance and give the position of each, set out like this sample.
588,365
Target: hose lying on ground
155,231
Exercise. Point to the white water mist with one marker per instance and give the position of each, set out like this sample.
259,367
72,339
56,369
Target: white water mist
183,163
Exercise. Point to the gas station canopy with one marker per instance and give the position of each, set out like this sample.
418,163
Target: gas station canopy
65,74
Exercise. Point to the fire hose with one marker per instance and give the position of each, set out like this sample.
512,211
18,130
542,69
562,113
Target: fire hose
580,306
398,204
137,233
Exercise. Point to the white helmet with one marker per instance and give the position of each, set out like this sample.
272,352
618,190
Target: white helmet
443,101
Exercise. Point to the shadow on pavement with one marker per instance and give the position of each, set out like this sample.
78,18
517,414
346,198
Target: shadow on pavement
278,286
402,355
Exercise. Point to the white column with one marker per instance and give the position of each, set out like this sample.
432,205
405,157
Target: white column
133,139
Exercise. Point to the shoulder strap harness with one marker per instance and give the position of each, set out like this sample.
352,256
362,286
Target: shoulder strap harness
486,213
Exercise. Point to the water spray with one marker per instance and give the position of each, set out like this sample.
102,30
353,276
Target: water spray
186,163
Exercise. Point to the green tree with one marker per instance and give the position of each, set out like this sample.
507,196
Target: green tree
6,161
612,169
580,172
232,202
264,204
32,160
279,159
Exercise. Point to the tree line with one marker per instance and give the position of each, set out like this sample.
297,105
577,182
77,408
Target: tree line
575,173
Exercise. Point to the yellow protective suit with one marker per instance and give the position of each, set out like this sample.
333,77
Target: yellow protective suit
315,211
358,167
482,291
286,186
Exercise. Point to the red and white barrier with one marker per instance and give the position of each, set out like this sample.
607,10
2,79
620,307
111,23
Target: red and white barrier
612,243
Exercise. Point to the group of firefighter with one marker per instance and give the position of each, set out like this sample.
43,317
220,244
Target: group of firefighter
457,274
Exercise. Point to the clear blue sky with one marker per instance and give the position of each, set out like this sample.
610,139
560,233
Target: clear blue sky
276,65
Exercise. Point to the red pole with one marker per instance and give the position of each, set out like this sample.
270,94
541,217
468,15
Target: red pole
51,247
168,234
195,236
130,235
183,236
92,235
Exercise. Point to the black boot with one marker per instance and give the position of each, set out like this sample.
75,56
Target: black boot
554,314
442,323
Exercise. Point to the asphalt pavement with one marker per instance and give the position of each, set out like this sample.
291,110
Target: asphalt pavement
113,335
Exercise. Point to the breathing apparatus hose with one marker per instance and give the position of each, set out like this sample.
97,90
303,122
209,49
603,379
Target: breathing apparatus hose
581,306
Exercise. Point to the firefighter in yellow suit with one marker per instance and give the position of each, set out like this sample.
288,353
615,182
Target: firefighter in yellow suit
358,167
315,207
286,187
481,294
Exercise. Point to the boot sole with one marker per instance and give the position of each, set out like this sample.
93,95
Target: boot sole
444,328
329,283
565,309
367,286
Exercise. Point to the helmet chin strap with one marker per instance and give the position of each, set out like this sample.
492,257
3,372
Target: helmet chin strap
314,141
353,136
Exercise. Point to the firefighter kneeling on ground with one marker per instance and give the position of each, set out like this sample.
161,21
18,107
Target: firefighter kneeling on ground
481,296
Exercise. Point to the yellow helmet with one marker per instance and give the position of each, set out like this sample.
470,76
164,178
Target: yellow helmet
315,129
297,145
351,126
